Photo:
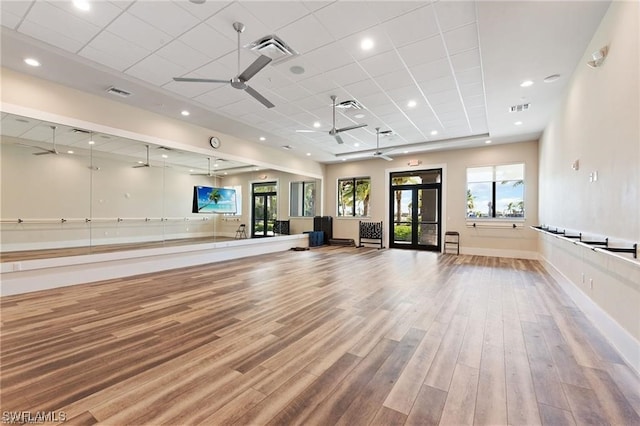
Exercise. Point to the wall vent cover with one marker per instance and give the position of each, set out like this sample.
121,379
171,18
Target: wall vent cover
118,92
519,108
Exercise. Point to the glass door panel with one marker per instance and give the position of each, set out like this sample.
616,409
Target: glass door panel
403,216
428,217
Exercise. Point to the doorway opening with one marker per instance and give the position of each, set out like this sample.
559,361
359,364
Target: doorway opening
264,205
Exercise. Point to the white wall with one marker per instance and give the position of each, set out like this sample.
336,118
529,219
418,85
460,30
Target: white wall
598,124
505,242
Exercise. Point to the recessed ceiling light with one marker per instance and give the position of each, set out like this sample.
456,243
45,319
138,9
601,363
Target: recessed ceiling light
487,141
366,44
262,138
165,156
32,62
191,170
69,152
360,115
412,103
316,124
185,112
92,142
356,144
434,132
406,152
526,83
216,165
140,162
304,131
518,123
308,154
344,159
225,173
551,78
82,5
256,169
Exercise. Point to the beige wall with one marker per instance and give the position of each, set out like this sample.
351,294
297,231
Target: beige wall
507,242
29,96
598,124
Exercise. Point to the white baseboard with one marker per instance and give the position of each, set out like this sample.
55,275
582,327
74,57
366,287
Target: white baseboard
626,345
512,254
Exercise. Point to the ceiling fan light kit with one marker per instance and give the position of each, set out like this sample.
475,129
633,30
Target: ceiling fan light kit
240,80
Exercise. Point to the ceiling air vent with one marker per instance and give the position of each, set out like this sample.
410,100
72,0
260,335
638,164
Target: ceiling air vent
519,108
350,104
273,47
118,92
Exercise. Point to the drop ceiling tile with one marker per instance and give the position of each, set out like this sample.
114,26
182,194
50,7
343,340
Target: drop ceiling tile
284,68
214,70
122,4
473,101
423,51
361,89
190,90
388,10
451,124
328,57
305,35
293,92
462,39
455,106
395,80
115,52
273,79
381,43
469,90
183,55
470,76
438,85
61,22
344,18
223,96
444,97
403,94
384,109
277,14
164,15
100,14
346,75
9,20
477,112
52,37
156,70
314,5
383,63
208,41
452,14
138,32
466,60
17,8
318,84
237,12
431,70
204,10
247,105
410,27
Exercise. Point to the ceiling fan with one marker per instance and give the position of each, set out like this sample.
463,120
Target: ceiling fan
240,80
208,168
146,164
48,151
334,132
378,153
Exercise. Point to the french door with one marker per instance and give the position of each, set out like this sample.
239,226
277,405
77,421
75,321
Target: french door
415,210
264,206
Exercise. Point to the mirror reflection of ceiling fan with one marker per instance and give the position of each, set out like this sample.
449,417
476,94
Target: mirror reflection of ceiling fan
335,132
46,151
378,153
209,174
145,164
240,80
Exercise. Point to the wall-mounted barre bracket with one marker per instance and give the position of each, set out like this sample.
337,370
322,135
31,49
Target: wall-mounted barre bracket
87,220
633,249
63,220
579,236
595,243
20,220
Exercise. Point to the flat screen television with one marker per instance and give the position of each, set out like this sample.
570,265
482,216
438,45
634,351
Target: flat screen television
214,200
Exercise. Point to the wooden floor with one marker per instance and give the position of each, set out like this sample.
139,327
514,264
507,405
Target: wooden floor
18,256
333,335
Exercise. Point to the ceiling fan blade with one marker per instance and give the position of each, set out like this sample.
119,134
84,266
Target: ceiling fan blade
200,80
344,129
254,68
385,157
45,152
338,138
264,101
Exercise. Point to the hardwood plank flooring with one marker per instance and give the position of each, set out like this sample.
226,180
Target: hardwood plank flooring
333,335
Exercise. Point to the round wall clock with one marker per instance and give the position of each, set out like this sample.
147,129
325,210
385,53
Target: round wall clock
214,142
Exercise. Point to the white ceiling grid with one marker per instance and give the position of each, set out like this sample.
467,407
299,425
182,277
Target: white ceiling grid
427,52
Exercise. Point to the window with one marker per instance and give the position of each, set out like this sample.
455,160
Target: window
353,197
302,199
495,191
238,189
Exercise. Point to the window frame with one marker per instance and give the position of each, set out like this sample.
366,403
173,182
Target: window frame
354,181
301,200
493,184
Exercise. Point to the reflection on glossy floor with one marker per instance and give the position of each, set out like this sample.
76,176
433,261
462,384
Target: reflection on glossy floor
326,336
16,256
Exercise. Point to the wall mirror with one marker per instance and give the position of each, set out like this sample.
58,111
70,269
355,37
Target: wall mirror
71,191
